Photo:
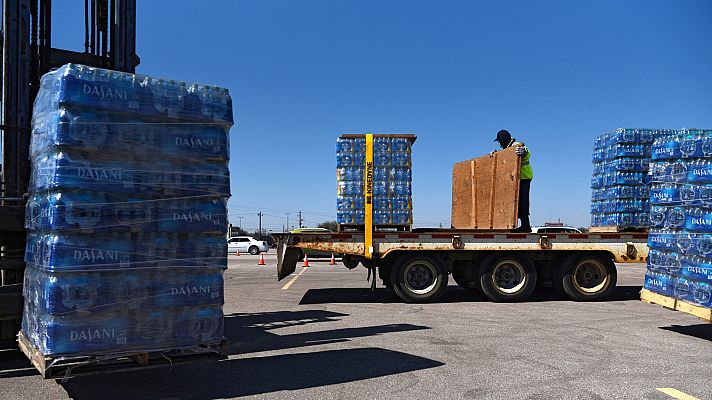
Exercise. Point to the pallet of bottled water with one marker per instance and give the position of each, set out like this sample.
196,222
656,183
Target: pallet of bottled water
620,182
392,177
126,215
680,239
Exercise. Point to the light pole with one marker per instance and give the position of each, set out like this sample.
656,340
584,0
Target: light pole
240,218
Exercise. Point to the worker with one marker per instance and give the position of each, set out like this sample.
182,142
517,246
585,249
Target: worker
526,174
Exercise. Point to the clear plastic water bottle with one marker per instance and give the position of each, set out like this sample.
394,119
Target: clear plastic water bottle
689,195
705,195
197,325
702,294
675,218
402,174
156,328
345,216
682,288
382,216
401,159
702,244
685,242
381,146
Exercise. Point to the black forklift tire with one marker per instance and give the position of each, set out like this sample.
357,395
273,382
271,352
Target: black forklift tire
419,279
587,277
507,277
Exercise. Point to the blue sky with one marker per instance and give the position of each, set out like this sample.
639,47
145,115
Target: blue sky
554,73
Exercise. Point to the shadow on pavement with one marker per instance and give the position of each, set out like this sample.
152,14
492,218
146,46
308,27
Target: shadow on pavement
12,362
453,294
250,376
250,333
701,331
246,375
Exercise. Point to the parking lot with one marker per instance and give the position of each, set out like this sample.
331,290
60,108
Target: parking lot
322,333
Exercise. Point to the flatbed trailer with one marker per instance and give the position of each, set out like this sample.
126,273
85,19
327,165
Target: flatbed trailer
503,266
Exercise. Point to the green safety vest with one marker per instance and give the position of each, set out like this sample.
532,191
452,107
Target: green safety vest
525,171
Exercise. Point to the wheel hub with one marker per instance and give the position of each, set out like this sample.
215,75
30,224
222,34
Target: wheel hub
590,277
420,278
508,276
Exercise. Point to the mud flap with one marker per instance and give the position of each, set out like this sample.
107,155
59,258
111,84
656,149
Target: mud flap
287,258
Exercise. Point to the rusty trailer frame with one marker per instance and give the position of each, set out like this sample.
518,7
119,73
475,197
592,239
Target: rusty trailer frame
622,247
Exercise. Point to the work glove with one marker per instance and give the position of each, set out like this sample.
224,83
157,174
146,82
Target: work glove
521,150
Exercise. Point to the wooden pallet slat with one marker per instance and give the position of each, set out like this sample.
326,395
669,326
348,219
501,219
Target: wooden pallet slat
616,229
376,228
63,367
675,304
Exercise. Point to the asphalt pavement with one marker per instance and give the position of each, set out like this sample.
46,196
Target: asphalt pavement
322,333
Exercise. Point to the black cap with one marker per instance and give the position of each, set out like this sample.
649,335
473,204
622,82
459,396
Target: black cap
503,136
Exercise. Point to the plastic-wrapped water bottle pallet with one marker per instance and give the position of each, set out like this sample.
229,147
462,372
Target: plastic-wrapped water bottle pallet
378,228
62,367
677,305
616,229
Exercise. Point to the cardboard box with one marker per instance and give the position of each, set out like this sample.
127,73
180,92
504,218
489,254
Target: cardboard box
485,191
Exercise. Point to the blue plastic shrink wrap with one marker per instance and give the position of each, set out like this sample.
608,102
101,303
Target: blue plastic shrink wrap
127,213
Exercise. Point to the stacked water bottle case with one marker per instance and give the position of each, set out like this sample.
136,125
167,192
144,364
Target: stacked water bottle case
620,180
127,213
392,200
680,240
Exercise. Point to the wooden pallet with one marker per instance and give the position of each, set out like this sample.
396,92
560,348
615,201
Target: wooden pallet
615,229
675,304
377,228
65,367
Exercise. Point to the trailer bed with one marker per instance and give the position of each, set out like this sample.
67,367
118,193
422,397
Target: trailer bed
468,255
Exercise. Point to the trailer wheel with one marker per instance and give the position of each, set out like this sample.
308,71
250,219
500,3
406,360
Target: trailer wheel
419,279
385,273
349,261
507,277
587,277
465,282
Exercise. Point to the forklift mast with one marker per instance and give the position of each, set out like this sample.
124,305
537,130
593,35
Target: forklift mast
27,54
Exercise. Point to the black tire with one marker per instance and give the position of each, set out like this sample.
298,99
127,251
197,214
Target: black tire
385,273
470,284
254,250
507,277
419,279
349,261
586,277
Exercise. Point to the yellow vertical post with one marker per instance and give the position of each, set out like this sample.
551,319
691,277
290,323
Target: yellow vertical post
368,197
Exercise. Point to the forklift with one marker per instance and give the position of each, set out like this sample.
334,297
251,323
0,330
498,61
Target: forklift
27,54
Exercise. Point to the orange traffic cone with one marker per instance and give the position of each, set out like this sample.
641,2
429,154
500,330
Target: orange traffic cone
262,260
237,253
306,261
333,260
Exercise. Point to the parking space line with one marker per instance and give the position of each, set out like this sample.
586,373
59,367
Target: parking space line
677,394
285,287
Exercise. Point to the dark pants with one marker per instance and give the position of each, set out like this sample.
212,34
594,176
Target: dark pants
523,210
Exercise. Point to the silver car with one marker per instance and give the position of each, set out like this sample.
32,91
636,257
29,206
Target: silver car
246,244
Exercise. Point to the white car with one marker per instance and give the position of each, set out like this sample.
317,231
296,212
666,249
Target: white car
246,244
554,229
